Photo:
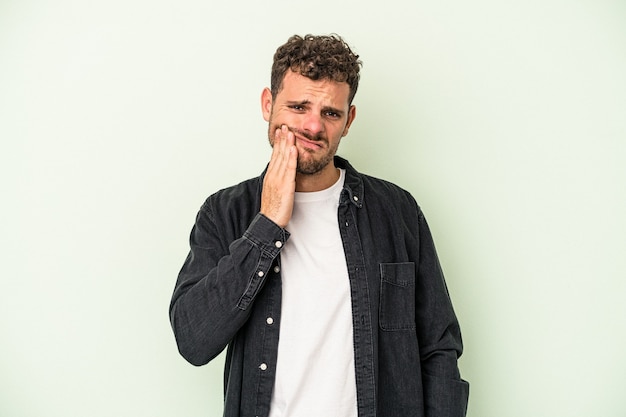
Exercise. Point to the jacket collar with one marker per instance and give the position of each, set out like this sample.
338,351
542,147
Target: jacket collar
353,185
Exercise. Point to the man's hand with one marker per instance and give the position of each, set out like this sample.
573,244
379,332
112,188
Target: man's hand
279,184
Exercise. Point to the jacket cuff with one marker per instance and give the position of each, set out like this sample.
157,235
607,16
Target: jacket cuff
269,239
266,235
445,397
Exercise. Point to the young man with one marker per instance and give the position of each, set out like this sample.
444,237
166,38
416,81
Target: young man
323,282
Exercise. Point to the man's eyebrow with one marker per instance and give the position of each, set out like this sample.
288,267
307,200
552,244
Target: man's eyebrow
304,103
298,103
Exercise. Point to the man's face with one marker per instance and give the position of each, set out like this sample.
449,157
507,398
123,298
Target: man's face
318,114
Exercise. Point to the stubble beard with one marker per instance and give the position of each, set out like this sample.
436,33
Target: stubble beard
312,165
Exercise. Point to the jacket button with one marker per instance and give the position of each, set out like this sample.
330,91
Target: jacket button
269,320
277,269
260,273
263,366
278,244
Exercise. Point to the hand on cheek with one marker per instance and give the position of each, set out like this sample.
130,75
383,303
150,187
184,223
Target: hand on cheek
279,184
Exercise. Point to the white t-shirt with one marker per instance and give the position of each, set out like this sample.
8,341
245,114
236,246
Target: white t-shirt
315,370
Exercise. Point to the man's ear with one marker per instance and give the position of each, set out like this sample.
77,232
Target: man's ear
266,104
351,117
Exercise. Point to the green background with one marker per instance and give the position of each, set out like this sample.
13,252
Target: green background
505,119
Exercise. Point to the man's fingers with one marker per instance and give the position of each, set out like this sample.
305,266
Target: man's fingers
291,153
279,184
284,151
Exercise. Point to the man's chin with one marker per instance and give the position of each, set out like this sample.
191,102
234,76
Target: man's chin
307,169
311,167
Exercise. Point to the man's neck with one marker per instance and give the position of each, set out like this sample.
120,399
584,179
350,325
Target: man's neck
307,183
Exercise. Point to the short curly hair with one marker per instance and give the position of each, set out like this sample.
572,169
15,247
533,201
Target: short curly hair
318,58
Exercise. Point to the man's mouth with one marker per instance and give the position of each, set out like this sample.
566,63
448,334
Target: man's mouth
308,143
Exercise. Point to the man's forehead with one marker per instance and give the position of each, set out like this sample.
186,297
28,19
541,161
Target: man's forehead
299,85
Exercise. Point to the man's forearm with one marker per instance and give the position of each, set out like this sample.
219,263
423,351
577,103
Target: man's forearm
215,292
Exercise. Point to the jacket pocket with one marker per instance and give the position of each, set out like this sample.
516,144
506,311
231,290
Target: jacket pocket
397,296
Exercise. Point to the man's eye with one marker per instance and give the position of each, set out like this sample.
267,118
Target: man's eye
296,107
332,114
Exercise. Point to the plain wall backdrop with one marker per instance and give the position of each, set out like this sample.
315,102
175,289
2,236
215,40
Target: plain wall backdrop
505,119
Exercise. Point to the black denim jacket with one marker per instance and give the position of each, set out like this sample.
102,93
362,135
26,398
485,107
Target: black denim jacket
406,336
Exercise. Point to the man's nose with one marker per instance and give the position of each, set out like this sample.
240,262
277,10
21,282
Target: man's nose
313,123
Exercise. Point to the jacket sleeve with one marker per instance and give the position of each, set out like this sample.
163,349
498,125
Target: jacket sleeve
219,282
445,393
